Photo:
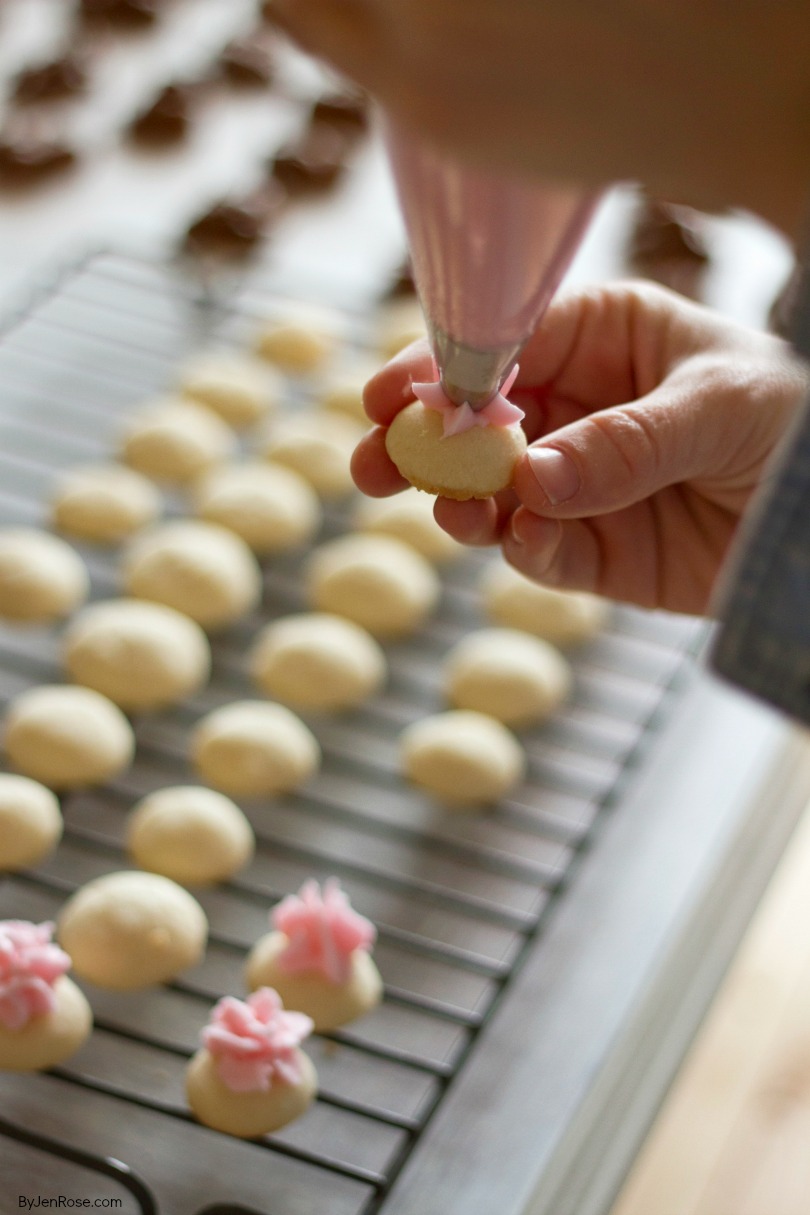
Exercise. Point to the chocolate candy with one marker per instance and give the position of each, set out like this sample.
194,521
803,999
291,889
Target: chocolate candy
247,63
51,81
314,162
347,110
129,14
231,231
168,118
26,160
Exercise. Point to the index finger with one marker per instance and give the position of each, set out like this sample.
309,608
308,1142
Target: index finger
390,389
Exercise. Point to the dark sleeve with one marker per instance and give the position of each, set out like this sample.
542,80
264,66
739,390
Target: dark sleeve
763,643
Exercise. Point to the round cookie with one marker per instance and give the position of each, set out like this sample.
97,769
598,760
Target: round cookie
473,464
400,323
317,661
51,1038
329,1005
254,749
41,577
104,503
461,757
141,655
318,446
408,516
240,389
343,391
379,582
30,822
44,1017
67,737
272,508
200,569
129,930
190,834
561,617
319,957
251,1077
176,441
508,674
300,342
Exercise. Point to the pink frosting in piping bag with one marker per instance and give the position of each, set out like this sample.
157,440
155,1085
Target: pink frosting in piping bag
458,418
30,964
323,930
254,1041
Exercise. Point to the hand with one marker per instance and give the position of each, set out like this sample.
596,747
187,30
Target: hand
650,421
702,102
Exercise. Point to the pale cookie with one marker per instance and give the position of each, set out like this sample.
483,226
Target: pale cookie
176,441
142,655
318,446
317,661
272,508
197,568
329,1004
400,323
473,464
242,390
561,617
462,758
343,391
379,582
300,342
30,822
129,930
512,676
105,503
51,1038
250,1077
41,577
408,516
44,1018
319,957
254,749
67,737
190,834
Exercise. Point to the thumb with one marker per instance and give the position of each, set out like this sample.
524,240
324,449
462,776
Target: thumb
616,457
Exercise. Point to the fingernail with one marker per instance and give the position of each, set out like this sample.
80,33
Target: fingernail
555,473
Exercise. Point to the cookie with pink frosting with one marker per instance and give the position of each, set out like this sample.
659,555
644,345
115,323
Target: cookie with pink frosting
44,1017
454,450
319,956
250,1076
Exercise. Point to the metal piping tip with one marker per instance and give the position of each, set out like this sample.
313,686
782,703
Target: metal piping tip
468,375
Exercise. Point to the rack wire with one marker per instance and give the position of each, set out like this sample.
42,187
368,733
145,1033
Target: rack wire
459,900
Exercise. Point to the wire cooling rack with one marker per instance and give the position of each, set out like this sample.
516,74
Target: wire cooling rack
459,900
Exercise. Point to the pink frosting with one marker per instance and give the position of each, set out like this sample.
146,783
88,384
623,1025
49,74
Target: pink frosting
254,1041
30,964
458,418
323,931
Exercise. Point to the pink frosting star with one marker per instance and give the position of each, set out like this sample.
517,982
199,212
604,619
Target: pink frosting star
322,929
30,964
254,1041
458,418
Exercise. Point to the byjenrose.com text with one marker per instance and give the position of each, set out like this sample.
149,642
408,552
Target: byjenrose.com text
60,1202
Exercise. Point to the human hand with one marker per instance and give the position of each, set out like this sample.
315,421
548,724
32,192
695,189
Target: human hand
650,421
701,102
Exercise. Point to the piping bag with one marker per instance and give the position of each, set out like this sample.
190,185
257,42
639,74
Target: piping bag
487,253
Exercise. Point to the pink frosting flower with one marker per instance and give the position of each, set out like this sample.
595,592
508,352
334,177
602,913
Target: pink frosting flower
323,931
458,418
254,1041
30,964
